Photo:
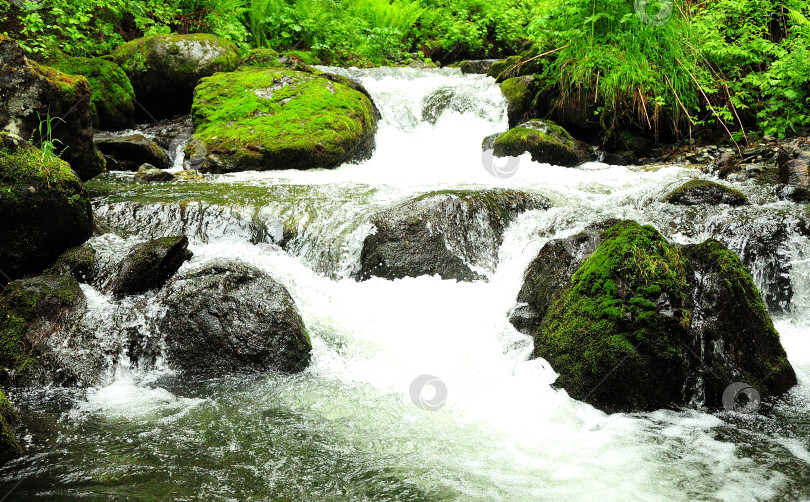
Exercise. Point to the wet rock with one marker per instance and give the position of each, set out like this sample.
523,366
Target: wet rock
170,134
228,317
794,194
164,69
44,340
696,192
77,262
793,165
279,119
546,141
9,447
489,142
727,164
453,234
477,66
519,93
149,265
445,99
112,102
188,175
30,93
643,324
128,153
550,273
148,173
575,111
44,208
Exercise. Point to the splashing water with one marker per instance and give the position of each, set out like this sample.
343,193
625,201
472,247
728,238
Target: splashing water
346,429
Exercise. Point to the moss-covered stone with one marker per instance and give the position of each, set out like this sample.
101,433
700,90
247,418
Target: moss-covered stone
9,447
546,141
77,262
31,92
44,209
645,324
519,93
149,265
164,69
268,118
112,100
29,308
262,58
698,192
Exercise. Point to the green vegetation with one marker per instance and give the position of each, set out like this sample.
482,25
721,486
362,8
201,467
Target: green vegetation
677,69
279,119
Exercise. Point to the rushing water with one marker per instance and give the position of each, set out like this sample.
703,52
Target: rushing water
346,428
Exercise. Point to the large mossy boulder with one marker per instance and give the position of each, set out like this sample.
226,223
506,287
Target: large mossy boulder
112,102
275,118
164,69
454,234
30,93
44,208
644,324
697,192
229,317
128,153
547,143
9,447
149,265
42,338
519,93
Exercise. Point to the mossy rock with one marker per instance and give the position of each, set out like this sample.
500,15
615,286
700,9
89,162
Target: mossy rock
519,93
274,118
262,58
502,65
475,66
112,102
42,341
644,324
9,447
78,262
31,92
696,192
546,141
164,69
148,173
44,208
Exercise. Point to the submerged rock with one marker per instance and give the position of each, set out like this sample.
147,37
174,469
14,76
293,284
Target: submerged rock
148,173
228,317
642,324
31,93
696,192
44,208
445,99
164,69
78,262
112,102
453,234
128,153
275,118
43,339
546,142
149,265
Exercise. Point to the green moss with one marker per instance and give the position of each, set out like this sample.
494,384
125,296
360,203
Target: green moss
9,447
20,304
262,57
607,319
278,119
112,95
544,140
308,57
25,167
